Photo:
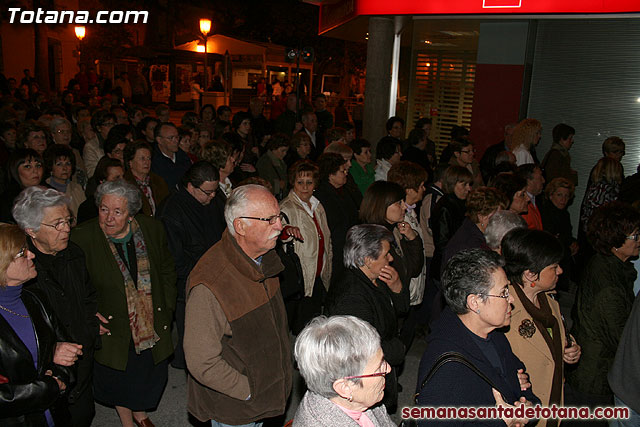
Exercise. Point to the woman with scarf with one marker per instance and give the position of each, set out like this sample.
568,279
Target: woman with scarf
537,334
133,272
137,163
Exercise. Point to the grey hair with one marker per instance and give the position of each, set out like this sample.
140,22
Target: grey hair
500,224
121,188
469,272
28,208
364,241
238,202
57,122
330,348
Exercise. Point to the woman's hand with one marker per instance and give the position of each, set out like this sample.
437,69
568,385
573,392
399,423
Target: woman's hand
573,352
524,380
103,330
62,386
405,229
390,276
291,231
511,422
66,353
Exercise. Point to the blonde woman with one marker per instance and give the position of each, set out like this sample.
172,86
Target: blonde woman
525,137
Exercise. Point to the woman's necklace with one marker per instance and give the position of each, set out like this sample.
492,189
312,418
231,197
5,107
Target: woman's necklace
14,313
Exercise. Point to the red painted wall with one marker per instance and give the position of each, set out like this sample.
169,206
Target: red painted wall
496,102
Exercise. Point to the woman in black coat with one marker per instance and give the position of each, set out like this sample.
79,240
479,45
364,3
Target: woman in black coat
339,203
476,289
449,213
371,290
556,220
31,383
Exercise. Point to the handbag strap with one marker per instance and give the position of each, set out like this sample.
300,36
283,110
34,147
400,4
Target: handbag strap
453,356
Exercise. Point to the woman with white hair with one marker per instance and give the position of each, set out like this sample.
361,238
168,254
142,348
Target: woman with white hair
133,272
342,362
63,283
500,224
372,290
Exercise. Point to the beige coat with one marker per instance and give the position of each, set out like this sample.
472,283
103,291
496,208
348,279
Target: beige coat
534,351
308,250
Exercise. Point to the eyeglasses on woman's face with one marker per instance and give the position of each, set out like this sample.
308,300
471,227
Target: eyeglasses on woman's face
382,371
504,294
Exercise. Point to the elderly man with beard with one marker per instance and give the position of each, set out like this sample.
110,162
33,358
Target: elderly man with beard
236,340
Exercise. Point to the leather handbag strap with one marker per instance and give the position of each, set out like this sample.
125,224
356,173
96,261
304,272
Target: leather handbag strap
453,356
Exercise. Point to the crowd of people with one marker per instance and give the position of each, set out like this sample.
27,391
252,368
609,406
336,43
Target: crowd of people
244,229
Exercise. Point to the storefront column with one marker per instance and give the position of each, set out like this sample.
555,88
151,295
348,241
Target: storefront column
378,83
499,81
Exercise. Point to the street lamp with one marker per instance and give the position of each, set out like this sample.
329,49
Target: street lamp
205,27
80,33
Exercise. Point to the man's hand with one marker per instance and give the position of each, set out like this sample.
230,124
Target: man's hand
291,231
66,353
390,276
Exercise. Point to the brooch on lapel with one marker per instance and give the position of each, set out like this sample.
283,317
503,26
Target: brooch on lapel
527,328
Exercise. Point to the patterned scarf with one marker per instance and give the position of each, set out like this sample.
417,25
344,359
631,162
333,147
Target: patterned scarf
145,187
139,302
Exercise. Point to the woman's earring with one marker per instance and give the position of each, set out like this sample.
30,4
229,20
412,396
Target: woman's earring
350,399
533,284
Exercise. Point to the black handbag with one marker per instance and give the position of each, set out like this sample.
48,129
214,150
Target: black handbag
291,279
451,356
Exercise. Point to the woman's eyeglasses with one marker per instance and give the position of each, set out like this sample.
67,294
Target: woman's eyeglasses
384,367
504,294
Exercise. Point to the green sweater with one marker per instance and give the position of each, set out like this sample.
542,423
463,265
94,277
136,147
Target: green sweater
363,177
109,284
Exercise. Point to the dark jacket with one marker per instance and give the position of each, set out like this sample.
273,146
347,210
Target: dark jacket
468,236
488,161
169,171
624,376
355,295
603,304
421,157
456,385
408,257
159,190
109,284
28,392
191,231
557,164
446,218
342,209
63,282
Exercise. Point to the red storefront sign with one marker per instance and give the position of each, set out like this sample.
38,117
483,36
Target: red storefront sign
353,8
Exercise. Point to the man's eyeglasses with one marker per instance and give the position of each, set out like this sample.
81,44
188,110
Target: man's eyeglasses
504,294
384,367
207,193
271,220
59,226
635,237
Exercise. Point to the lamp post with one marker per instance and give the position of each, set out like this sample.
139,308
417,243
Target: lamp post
80,33
205,27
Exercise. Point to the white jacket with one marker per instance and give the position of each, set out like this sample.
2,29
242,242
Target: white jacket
300,216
